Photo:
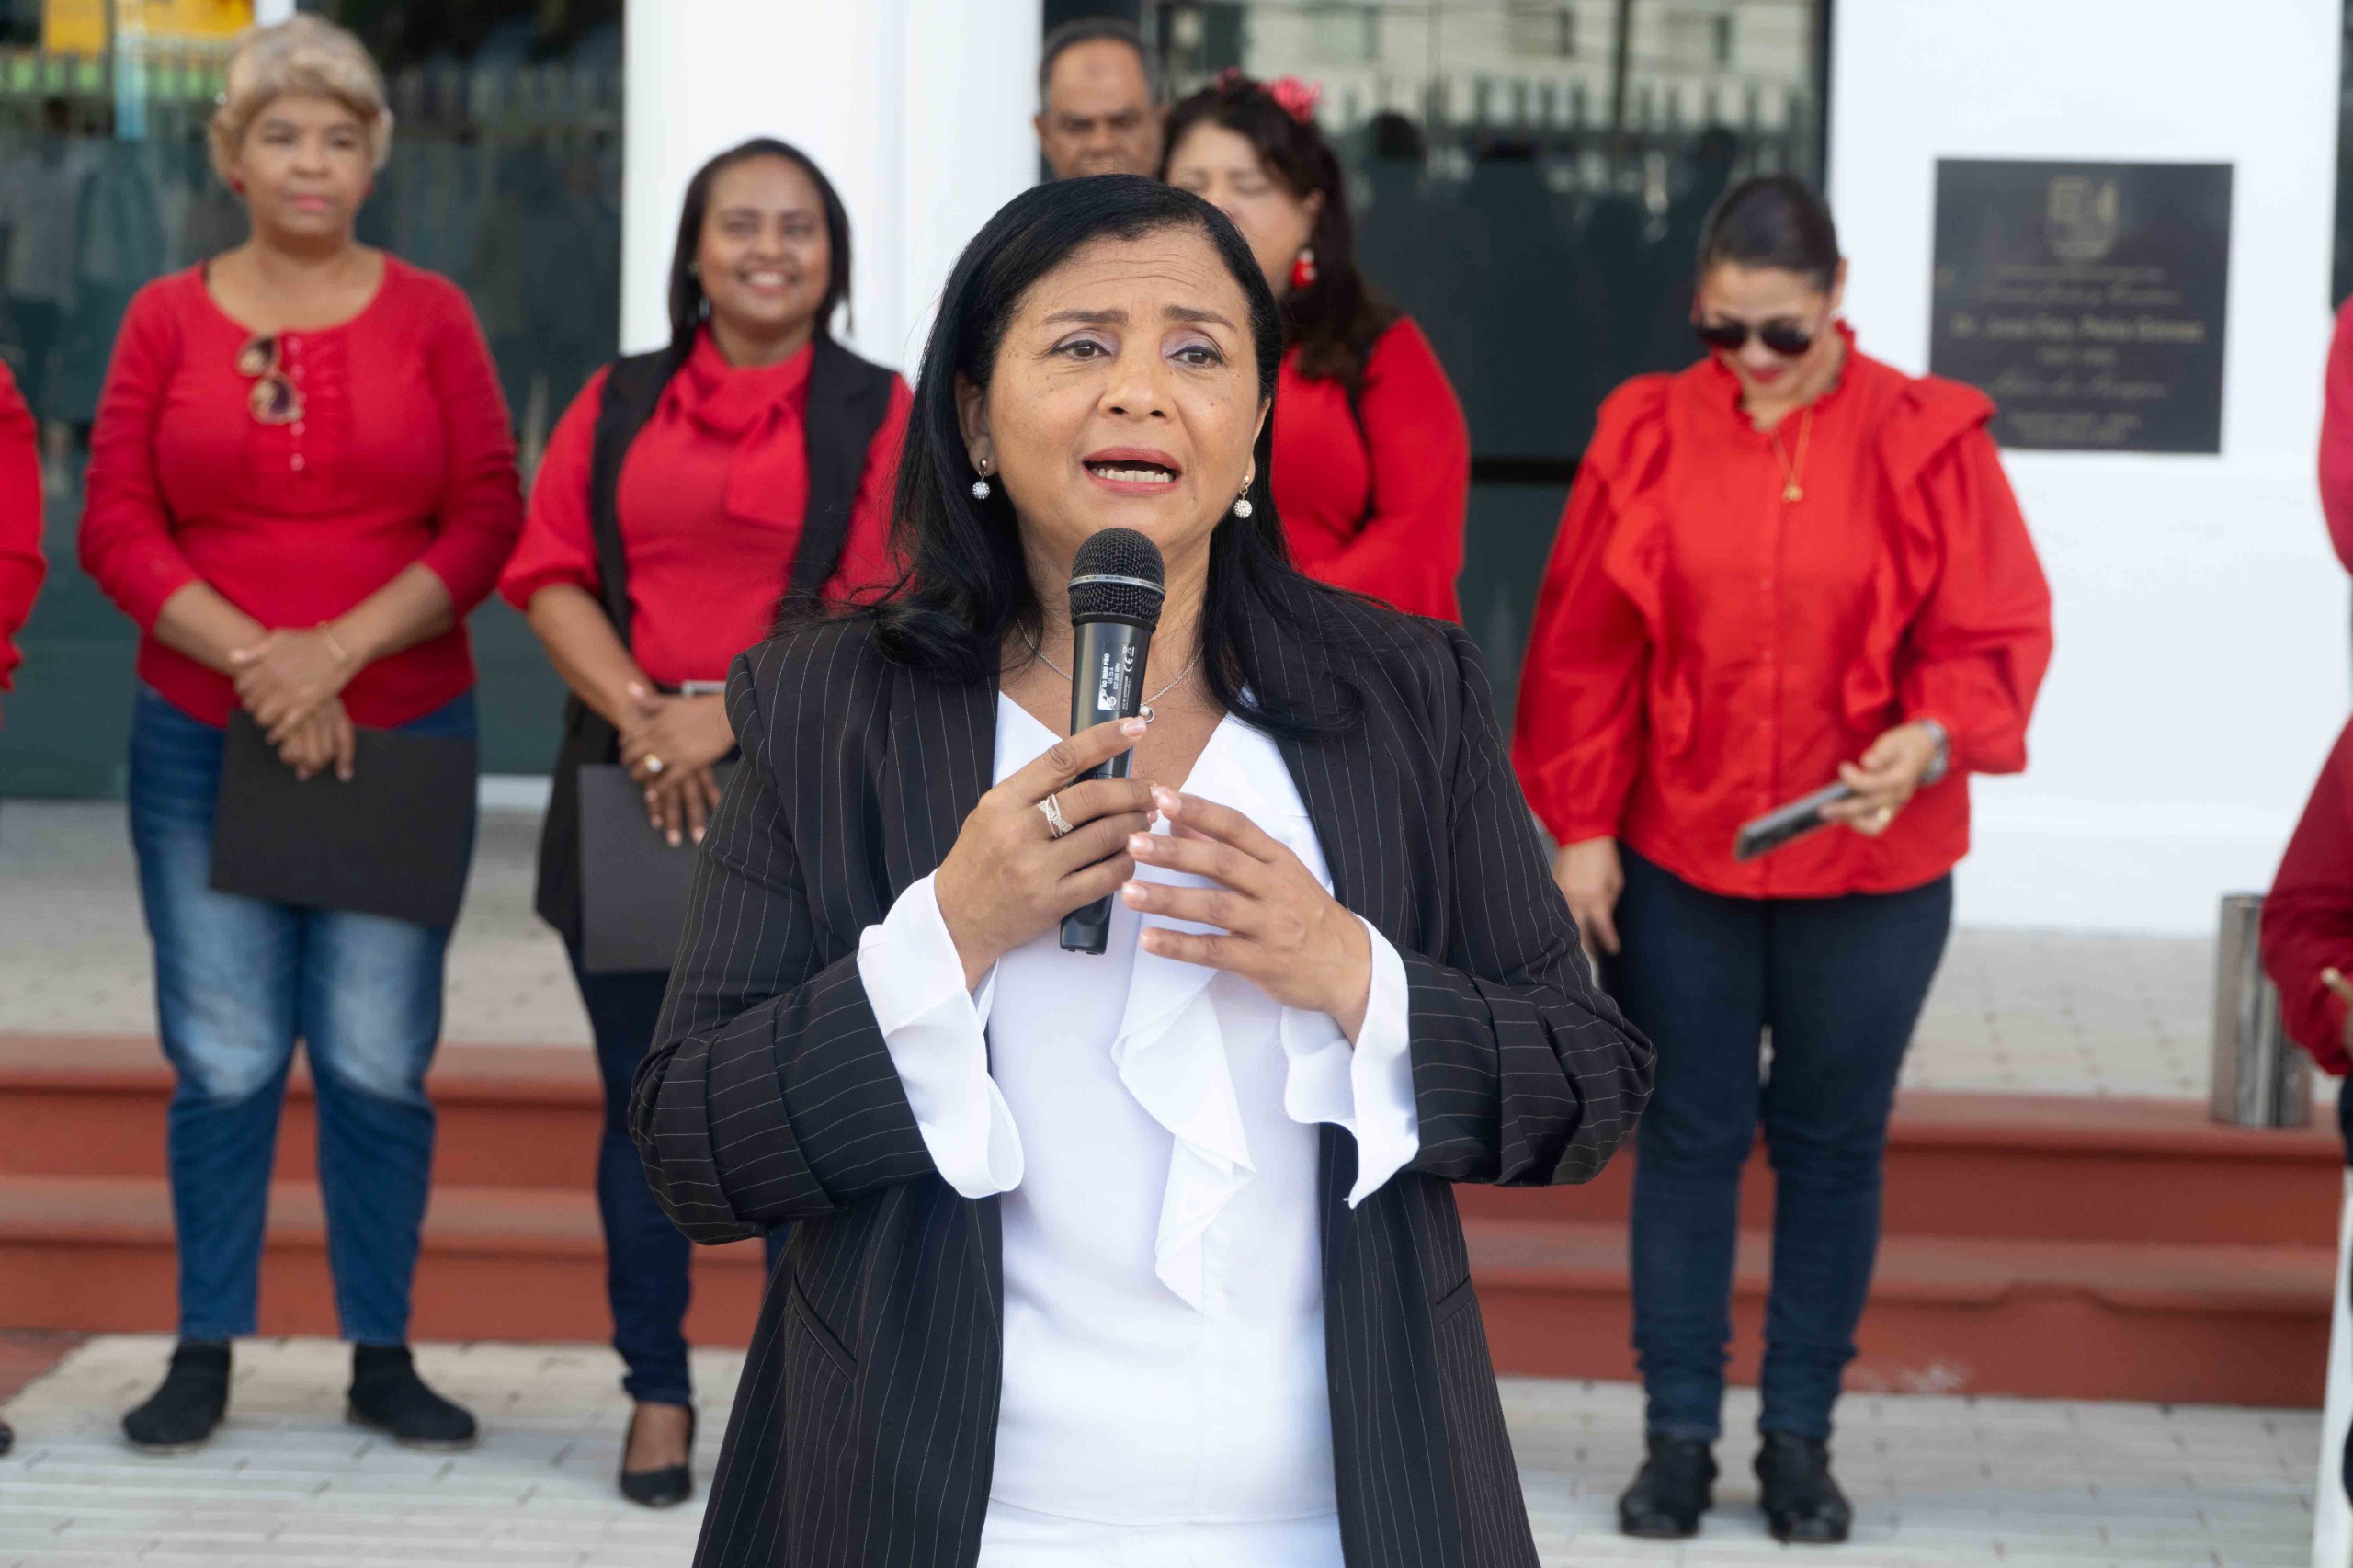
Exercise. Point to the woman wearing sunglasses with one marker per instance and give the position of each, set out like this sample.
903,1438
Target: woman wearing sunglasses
301,480
1785,567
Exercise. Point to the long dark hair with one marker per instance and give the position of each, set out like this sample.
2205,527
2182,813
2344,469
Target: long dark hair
1335,320
686,297
965,585
1773,221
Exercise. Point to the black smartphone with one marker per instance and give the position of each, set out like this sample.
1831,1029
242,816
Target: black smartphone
1783,824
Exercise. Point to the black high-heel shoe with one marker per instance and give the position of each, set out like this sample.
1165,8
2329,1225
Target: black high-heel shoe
663,1488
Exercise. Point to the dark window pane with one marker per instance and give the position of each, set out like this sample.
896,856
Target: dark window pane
505,176
1530,181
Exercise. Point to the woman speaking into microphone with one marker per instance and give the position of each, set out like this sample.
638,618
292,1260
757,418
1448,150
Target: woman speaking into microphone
1151,1249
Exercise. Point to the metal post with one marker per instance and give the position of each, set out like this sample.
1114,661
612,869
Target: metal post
2260,1079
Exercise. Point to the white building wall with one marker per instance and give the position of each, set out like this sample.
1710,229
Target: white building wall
918,111
2203,653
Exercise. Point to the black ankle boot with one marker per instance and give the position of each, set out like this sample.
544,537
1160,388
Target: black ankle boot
1802,1503
1674,1487
183,1413
387,1394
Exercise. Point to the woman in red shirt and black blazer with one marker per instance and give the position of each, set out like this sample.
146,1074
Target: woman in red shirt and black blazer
1372,460
301,480
1787,566
752,457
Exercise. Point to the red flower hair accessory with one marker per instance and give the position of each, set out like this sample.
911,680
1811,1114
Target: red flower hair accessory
1295,97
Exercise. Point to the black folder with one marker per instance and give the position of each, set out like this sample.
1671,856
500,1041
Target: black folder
395,841
633,886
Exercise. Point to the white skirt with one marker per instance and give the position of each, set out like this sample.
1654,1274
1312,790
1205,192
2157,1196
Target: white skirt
1017,1537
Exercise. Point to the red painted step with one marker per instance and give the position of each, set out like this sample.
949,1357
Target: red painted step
2064,1246
95,1253
2049,1166
2164,1322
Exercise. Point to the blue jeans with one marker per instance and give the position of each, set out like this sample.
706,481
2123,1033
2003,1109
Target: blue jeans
1839,982
238,981
645,1255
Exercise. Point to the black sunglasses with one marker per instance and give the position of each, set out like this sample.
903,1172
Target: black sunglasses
1783,337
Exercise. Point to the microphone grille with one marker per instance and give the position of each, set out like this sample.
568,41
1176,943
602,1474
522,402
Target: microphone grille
1117,576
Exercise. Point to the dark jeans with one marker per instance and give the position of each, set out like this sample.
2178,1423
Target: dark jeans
237,981
645,1255
1839,982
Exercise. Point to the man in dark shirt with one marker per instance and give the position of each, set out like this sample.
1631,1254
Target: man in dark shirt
1098,100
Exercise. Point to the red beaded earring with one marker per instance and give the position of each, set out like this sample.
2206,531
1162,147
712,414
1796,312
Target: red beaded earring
1302,268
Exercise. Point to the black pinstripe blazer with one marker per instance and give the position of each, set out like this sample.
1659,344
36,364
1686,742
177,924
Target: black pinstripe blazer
864,1430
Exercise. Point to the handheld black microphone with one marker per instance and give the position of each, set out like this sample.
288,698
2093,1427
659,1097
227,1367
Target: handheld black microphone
1115,594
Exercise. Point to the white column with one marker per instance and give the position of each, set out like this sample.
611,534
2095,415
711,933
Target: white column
2202,667
918,111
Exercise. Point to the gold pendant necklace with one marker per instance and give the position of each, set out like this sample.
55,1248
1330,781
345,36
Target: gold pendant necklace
1791,474
1145,712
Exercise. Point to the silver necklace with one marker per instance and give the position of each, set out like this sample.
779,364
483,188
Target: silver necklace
1145,712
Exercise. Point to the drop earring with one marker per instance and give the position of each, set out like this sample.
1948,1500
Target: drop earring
1241,507
981,485
1302,268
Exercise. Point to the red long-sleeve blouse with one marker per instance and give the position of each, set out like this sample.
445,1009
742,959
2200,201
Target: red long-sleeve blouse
2308,919
1704,651
1378,509
711,499
2337,438
21,563
403,455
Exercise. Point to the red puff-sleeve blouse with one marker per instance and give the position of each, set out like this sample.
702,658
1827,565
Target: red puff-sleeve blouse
1704,651
1376,507
710,504
2308,919
21,565
403,455
2337,438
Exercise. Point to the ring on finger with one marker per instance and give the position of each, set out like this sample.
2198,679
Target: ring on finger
1885,815
652,763
1057,825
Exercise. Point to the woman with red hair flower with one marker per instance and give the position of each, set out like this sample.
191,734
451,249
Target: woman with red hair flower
1372,460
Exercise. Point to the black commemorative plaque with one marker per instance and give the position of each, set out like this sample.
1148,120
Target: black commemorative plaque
2087,300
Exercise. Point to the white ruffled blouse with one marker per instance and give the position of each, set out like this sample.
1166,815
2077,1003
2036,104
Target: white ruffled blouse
1151,1127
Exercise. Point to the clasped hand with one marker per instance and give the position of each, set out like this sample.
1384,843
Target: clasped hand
292,682
1008,879
288,677
669,744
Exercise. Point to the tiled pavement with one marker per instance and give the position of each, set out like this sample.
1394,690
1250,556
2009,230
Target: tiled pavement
2012,1012
287,1485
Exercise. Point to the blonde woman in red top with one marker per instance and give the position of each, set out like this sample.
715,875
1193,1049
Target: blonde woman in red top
1372,459
1787,567
300,479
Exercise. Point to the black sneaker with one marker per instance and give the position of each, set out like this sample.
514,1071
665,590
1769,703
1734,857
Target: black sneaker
1674,1487
387,1395
1802,1503
184,1412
